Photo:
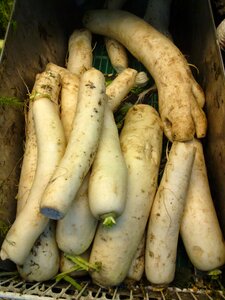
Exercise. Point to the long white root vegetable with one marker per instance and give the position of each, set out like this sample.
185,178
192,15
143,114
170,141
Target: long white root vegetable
80,51
200,229
30,223
166,214
115,247
179,93
137,267
119,88
108,181
69,97
81,147
43,261
75,232
117,54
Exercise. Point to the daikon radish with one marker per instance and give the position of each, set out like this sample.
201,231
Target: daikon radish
117,54
80,51
108,181
81,147
75,232
179,94
69,97
166,214
200,229
115,247
119,88
137,267
43,261
30,223
29,163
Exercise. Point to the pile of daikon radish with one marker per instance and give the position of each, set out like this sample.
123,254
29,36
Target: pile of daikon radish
86,190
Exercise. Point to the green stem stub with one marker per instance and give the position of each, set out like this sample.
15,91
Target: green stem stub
109,219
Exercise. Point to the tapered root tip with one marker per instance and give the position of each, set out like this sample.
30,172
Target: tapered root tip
51,213
3,255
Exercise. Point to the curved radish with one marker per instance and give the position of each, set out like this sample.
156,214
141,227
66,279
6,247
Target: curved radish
166,214
75,232
179,93
200,229
51,146
115,247
43,261
117,54
80,51
81,147
119,88
108,181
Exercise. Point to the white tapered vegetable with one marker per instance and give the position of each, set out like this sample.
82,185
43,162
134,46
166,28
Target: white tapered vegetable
115,247
166,214
80,51
75,232
81,147
119,88
30,223
108,181
42,262
179,94
200,228
117,54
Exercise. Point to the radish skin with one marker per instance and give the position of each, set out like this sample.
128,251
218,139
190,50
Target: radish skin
81,147
117,54
178,93
166,214
108,181
200,229
119,88
137,267
115,247
80,51
43,261
51,146
69,98
75,232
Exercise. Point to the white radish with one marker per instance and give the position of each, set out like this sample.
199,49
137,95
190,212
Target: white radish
80,51
200,229
137,267
108,181
117,54
179,93
119,88
43,261
166,214
69,97
115,247
30,223
75,232
81,147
